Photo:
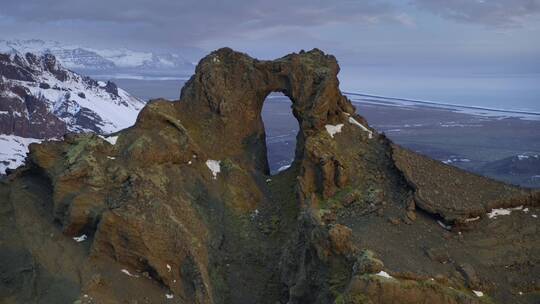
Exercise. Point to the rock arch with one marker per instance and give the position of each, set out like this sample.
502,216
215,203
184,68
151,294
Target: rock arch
229,87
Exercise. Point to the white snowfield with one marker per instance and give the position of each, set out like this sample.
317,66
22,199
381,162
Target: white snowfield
13,151
109,113
115,112
81,57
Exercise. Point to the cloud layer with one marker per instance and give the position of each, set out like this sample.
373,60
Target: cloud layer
359,32
194,20
500,13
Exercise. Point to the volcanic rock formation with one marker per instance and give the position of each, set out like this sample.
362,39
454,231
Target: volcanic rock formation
180,208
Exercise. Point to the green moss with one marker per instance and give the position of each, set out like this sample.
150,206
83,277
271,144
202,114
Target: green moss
323,212
356,298
82,145
336,201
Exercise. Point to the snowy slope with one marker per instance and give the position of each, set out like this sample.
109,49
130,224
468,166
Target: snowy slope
40,99
114,111
88,59
13,150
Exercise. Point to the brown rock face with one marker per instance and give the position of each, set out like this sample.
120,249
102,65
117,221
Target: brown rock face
454,195
180,207
227,93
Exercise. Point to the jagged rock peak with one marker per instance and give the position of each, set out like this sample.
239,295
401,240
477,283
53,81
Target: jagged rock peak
230,87
226,81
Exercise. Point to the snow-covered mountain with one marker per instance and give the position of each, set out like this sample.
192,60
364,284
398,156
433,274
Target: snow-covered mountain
40,99
111,61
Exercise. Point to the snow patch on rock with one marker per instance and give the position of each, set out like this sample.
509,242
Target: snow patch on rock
472,219
214,166
125,271
502,211
478,293
384,274
81,238
361,126
333,129
111,139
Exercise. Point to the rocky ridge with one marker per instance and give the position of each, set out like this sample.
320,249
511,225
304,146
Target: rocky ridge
180,208
40,99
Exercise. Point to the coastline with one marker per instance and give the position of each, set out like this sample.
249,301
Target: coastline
473,110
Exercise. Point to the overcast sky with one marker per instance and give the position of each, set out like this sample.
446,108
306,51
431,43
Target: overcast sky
442,35
362,32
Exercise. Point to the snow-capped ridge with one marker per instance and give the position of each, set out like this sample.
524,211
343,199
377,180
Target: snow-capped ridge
41,99
93,59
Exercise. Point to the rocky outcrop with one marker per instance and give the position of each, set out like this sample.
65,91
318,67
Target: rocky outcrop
181,207
230,87
453,194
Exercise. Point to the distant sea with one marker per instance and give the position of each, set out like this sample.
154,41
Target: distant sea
151,89
495,91
499,90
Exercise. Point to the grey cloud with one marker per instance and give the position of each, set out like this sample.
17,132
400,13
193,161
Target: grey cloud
192,21
499,13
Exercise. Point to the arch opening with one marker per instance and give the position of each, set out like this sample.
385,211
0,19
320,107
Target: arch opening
281,129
